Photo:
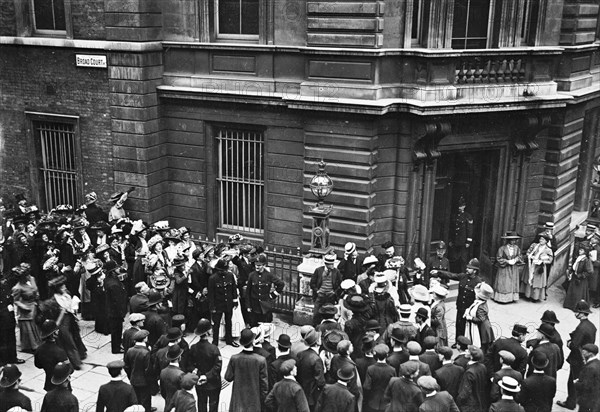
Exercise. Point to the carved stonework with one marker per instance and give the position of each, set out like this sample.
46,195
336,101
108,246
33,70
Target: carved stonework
525,132
428,136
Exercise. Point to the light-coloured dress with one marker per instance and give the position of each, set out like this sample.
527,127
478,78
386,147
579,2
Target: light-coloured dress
535,278
506,284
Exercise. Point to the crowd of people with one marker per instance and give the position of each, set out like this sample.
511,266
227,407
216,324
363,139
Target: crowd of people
378,342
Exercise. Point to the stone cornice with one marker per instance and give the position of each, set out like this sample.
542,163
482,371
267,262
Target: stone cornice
116,46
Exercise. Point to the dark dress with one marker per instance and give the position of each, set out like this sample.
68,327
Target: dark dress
98,305
578,286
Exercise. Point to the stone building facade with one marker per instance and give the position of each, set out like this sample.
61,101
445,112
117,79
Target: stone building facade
219,111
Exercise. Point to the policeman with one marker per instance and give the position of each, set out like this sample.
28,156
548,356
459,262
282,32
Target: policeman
466,292
259,295
461,236
439,261
222,299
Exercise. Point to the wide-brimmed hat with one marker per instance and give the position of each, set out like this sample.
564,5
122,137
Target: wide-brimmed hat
101,249
331,339
511,235
246,337
369,260
204,326
509,384
356,303
111,266
380,278
346,372
173,234
57,281
439,290
154,240
311,337
174,352
420,293
10,376
582,307
61,373
484,291
284,341
101,225
539,359
550,317
519,329
473,264
48,328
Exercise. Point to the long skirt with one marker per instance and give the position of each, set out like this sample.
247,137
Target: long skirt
535,290
506,284
578,290
30,335
69,338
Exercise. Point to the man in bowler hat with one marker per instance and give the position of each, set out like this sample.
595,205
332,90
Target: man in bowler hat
336,397
512,345
284,344
538,389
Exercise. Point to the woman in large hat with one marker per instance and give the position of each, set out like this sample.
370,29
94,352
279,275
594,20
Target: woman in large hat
95,284
535,277
506,284
479,328
25,295
582,269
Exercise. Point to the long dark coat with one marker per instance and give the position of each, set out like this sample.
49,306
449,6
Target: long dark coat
248,372
474,390
537,393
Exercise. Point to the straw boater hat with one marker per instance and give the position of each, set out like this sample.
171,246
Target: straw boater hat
509,384
369,260
511,235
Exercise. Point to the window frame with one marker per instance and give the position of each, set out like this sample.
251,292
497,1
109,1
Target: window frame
490,27
67,33
244,38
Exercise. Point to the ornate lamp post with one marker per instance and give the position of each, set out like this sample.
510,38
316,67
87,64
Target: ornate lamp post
321,186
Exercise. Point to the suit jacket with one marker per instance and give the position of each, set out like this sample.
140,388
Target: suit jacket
287,396
311,375
555,361
205,358
274,372
438,320
495,391
440,402
537,393
317,280
449,377
137,361
474,390
60,399
128,341
461,360
588,386
403,394
10,398
248,372
47,355
170,378
182,401
156,325
432,359
335,398
362,364
115,396
423,333
350,269
512,345
584,333
555,338
116,297
506,405
378,377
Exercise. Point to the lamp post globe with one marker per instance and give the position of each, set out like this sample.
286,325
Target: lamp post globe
321,184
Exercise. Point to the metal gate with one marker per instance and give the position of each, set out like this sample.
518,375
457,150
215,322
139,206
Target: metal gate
59,164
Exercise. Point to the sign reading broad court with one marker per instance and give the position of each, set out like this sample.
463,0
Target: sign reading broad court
88,60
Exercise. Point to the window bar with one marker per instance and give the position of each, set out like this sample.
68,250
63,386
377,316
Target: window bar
243,180
220,174
236,136
256,211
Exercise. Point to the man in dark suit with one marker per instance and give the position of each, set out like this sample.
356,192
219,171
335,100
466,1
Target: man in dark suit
183,400
463,357
423,329
399,353
448,375
137,361
402,392
136,320
377,379
512,345
430,356
550,349
311,371
171,375
116,304
474,390
138,303
61,398
10,396
262,288
538,389
115,396
414,350
287,394
222,299
588,384
550,318
336,397
325,285
351,265
284,344
510,388
507,359
49,353
154,323
199,285
584,333
367,359
435,401
205,359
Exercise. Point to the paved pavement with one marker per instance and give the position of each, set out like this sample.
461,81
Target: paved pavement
86,381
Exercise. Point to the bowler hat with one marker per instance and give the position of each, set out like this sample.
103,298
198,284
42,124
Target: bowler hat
48,328
519,329
582,307
61,373
10,376
287,367
549,317
174,352
178,320
173,334
346,372
284,341
356,303
372,324
509,384
332,338
154,298
546,329
422,312
246,337
539,359
398,336
473,264
328,309
221,265
204,326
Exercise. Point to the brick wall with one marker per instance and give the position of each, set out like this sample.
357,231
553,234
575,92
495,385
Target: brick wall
7,18
88,19
46,80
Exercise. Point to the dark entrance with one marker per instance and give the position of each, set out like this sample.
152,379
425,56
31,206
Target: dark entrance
472,175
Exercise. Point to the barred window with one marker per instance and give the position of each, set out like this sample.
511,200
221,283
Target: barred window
240,179
58,171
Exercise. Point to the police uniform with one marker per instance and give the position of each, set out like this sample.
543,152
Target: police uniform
258,295
222,297
437,263
462,234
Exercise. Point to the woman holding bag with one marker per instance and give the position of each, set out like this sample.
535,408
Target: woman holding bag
582,269
535,277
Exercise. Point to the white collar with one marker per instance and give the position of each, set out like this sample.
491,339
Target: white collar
290,377
447,362
174,363
118,378
592,358
287,352
400,349
508,397
471,362
413,357
142,344
342,382
431,394
539,372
